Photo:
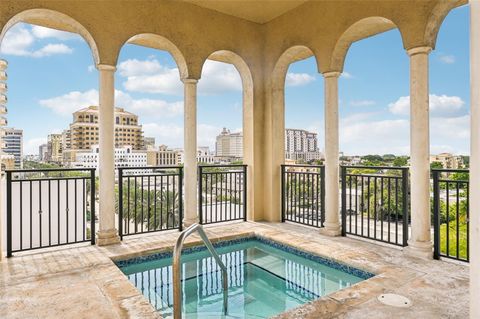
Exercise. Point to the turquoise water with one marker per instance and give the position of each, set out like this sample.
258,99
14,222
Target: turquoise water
263,281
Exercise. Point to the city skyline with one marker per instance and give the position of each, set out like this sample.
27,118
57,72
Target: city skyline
373,104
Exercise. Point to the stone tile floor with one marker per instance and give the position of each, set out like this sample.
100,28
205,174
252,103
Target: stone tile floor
83,282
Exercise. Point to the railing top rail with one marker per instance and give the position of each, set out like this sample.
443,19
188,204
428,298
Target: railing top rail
228,165
148,167
295,165
49,170
376,167
449,170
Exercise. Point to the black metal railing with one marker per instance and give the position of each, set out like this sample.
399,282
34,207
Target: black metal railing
451,214
49,207
303,194
375,203
149,199
222,193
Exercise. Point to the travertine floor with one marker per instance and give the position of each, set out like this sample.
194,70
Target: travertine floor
83,282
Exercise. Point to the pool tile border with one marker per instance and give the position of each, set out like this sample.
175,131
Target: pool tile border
272,243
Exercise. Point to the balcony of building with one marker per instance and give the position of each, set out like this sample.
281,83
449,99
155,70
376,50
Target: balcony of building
67,230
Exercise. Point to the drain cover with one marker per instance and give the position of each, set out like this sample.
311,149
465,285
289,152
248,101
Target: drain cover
395,300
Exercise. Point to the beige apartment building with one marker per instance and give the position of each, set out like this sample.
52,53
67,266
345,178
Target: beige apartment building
163,156
448,160
54,148
84,132
229,144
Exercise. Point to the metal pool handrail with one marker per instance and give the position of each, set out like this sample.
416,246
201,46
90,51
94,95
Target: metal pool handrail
177,269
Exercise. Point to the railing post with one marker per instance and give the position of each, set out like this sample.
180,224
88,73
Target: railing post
322,189
200,197
120,203
344,199
245,193
180,198
405,217
283,192
9,214
92,206
436,215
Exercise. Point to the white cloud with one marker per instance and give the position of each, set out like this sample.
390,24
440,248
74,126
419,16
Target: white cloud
440,105
362,102
207,135
19,41
70,102
43,33
148,108
149,76
361,134
446,59
172,134
346,75
168,134
52,49
30,146
298,79
134,67
91,68
218,77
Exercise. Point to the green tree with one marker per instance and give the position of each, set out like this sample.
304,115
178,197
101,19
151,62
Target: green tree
436,165
400,161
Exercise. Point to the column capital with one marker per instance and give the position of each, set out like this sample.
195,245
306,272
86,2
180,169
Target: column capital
419,50
331,74
189,81
106,67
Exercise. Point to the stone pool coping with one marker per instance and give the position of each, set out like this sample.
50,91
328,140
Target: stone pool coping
79,281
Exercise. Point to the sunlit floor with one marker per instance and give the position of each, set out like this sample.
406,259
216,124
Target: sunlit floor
81,281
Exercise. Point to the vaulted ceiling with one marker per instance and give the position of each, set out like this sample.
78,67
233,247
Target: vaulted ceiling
259,11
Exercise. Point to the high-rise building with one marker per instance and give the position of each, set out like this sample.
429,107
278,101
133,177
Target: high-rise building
229,144
13,144
42,152
84,132
54,148
301,145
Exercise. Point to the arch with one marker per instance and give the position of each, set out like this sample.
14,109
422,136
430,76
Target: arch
55,20
361,29
438,14
243,69
289,56
276,125
159,42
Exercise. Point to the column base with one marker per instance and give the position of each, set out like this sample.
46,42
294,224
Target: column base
189,222
331,229
107,237
419,249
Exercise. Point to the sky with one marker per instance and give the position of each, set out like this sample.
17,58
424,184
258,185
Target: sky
51,75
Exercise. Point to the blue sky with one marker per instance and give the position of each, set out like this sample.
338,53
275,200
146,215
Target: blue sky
51,74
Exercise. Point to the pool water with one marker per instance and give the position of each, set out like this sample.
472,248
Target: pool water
264,279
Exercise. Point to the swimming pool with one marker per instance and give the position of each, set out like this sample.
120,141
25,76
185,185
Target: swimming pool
265,278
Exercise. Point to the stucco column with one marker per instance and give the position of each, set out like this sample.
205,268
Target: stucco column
190,152
420,241
332,191
474,252
107,234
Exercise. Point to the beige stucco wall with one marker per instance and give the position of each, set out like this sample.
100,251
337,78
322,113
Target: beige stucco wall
191,33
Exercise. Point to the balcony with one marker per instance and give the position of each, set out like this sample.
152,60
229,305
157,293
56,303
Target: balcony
397,241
